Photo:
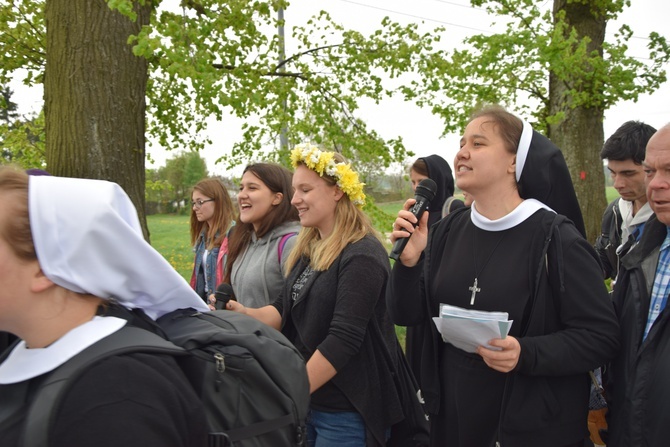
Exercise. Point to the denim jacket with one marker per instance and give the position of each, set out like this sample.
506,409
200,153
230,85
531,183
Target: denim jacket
213,268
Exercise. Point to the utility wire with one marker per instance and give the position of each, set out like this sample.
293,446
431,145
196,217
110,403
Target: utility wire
365,5
417,17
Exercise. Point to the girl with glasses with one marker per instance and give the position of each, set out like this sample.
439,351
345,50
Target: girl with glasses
211,218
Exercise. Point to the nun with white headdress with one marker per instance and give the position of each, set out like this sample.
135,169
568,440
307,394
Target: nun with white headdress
75,269
516,250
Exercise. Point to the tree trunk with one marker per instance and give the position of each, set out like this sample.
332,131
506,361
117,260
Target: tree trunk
94,96
580,133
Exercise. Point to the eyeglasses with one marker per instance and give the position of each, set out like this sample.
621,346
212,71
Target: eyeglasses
198,203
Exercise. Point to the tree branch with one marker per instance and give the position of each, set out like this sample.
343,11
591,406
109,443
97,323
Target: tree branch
304,53
278,74
198,8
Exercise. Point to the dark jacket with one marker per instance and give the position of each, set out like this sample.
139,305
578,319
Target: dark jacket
639,379
334,314
570,329
610,239
6,340
135,400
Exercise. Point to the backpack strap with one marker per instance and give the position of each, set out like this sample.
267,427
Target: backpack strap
282,242
48,397
451,204
230,437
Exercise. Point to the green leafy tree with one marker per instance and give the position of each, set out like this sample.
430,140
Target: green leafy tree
21,138
195,169
22,142
182,172
216,57
173,173
555,69
208,58
239,68
158,192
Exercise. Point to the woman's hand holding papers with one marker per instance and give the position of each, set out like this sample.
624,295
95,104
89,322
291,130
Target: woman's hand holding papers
505,360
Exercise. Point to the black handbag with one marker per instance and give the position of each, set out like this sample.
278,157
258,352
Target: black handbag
414,430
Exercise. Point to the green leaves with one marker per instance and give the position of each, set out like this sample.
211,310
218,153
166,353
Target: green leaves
513,68
220,58
210,59
22,40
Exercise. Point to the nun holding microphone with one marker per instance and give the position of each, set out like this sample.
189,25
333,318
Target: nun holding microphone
75,269
519,249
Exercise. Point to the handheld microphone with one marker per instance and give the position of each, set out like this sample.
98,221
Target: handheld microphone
223,294
424,193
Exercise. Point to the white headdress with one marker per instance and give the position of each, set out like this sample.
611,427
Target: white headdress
542,174
88,239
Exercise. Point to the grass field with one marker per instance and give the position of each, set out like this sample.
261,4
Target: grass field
170,236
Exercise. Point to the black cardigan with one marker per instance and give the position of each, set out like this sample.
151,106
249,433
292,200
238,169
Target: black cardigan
334,315
571,329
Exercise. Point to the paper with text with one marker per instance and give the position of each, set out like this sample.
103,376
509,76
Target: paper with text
467,329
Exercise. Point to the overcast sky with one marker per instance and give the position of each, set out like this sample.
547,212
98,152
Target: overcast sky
418,128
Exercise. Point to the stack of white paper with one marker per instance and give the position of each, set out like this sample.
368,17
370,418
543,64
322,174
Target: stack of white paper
468,329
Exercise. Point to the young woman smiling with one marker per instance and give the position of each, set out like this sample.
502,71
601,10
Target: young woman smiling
264,235
332,306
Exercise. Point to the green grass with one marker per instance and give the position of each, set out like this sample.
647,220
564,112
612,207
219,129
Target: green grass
170,235
391,208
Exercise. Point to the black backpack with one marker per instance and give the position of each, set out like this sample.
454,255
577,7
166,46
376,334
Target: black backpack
251,380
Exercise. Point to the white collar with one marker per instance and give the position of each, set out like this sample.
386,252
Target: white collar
642,215
24,364
522,212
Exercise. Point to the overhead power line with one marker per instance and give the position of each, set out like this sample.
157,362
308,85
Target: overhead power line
428,19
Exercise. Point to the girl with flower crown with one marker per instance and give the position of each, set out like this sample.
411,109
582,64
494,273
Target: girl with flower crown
332,306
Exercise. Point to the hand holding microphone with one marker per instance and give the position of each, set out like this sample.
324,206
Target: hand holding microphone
223,294
425,192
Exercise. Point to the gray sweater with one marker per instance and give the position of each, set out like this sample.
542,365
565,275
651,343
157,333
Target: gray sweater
256,275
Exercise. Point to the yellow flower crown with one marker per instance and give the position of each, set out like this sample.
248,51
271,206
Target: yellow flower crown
323,163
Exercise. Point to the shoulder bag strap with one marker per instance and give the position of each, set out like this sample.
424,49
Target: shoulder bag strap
48,397
282,242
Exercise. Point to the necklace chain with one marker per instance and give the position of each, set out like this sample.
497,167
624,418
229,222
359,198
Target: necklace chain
474,288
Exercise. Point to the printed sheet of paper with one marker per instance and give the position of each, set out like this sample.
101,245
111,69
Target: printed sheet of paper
467,329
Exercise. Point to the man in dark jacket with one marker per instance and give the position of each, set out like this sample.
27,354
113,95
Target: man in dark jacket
624,218
638,383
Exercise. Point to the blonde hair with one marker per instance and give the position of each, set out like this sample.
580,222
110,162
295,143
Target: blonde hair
351,225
